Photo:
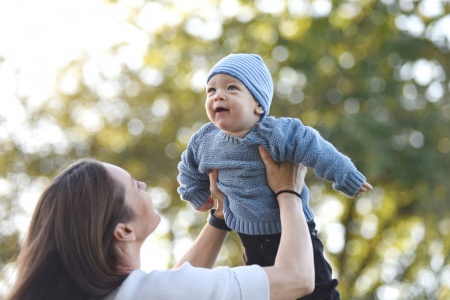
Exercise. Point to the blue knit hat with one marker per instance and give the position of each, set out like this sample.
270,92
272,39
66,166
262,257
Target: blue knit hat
252,72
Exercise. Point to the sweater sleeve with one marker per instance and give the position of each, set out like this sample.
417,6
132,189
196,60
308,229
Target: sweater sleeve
304,144
193,184
187,282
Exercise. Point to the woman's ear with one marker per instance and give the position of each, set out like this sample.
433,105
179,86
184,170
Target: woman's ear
124,232
259,110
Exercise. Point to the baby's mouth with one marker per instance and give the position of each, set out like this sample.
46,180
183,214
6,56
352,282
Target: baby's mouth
220,109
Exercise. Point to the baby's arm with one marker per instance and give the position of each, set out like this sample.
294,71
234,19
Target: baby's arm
194,185
306,145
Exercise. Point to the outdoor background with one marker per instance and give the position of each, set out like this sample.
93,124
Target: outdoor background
123,81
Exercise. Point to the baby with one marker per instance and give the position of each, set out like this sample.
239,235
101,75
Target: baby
239,92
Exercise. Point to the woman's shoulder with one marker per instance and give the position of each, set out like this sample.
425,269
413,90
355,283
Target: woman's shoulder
188,281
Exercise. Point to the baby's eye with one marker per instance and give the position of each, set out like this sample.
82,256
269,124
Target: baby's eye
232,87
210,90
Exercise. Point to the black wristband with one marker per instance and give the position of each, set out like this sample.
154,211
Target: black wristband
216,222
288,191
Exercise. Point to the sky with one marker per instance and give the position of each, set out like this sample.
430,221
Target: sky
38,37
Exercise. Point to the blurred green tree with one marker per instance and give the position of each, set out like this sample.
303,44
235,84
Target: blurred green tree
371,76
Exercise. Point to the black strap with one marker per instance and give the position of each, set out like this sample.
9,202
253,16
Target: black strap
216,222
288,191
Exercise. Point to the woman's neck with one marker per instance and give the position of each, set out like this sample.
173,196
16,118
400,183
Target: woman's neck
129,257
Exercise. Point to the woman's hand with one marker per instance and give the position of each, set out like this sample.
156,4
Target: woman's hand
284,175
216,194
207,205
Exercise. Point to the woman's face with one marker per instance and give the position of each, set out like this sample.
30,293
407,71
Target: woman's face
139,200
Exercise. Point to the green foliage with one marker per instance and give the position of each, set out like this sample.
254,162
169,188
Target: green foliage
380,94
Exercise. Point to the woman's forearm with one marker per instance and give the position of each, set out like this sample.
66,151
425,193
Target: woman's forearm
292,275
205,249
295,244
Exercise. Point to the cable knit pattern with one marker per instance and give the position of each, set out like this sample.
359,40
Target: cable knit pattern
250,206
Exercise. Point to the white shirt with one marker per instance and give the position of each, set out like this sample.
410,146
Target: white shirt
187,282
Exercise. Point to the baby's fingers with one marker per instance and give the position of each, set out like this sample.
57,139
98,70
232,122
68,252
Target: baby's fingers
367,186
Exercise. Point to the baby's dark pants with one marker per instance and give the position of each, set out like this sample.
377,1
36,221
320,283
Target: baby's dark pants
262,250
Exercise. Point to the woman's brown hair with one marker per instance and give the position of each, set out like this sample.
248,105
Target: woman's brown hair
69,249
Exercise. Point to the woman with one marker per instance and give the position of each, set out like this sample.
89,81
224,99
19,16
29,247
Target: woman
86,233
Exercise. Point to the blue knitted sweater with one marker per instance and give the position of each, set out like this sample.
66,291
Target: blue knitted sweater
249,204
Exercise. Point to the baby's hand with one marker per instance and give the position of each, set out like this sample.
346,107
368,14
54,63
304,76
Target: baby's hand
207,205
365,187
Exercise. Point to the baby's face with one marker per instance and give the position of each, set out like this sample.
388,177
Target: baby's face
230,105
